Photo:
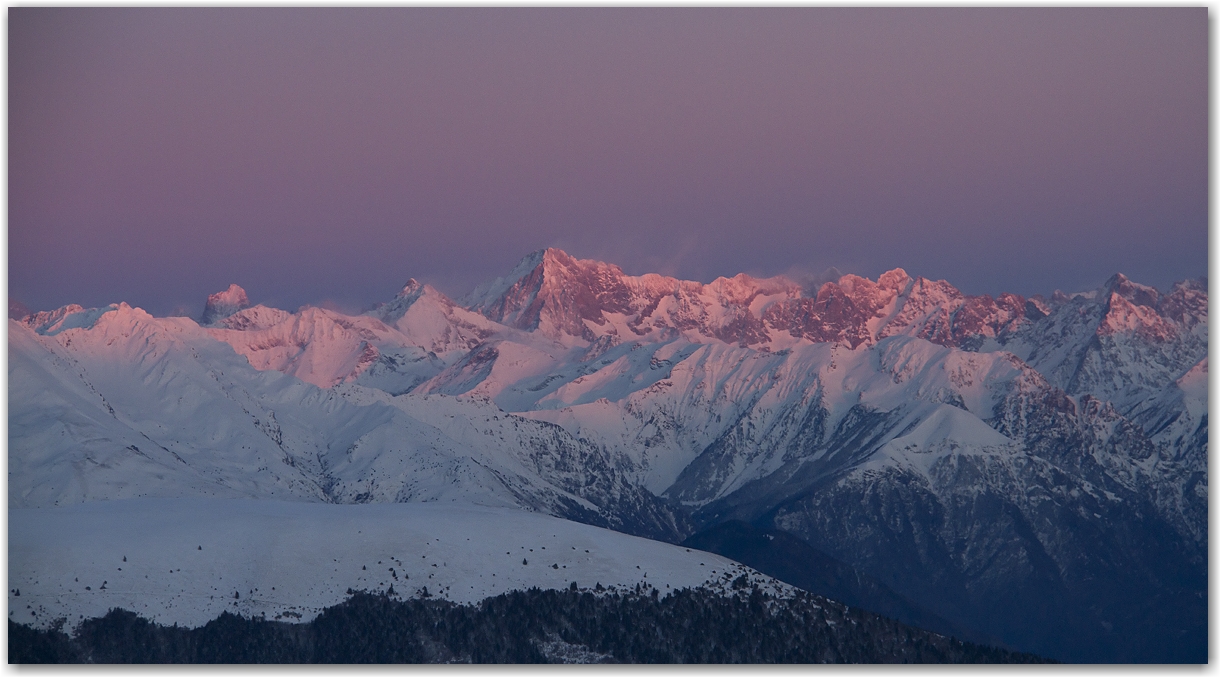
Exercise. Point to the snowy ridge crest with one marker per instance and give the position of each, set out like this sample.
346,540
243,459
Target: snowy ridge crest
569,299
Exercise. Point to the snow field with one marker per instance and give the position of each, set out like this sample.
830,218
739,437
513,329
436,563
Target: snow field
185,561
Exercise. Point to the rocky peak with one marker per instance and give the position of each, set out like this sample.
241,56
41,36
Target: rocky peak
894,280
1129,306
1137,294
555,292
561,296
45,320
1037,307
412,292
1186,303
1126,316
870,296
223,304
411,288
742,289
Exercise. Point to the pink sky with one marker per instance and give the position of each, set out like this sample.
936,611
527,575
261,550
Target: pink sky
316,155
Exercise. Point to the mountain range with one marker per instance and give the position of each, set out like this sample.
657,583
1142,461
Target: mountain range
1029,472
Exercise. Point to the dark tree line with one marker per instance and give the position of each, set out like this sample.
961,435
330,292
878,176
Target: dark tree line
534,626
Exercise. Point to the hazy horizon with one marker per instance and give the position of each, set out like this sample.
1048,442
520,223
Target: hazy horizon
324,156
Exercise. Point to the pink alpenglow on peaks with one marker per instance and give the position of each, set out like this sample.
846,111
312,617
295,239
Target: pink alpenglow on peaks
572,301
223,304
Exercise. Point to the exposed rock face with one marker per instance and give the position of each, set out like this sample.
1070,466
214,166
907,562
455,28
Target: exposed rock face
1120,343
223,304
565,292
561,296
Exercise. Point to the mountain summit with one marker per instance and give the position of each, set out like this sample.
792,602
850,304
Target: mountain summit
223,304
571,299
564,297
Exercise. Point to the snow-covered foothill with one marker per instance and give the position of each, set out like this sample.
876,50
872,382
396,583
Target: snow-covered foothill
185,561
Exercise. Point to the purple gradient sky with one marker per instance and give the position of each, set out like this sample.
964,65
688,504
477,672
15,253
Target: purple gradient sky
319,155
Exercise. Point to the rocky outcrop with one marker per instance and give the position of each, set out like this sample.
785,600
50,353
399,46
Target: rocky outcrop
223,304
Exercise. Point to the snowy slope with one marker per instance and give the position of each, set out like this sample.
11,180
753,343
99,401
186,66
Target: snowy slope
1176,421
430,320
1120,343
746,414
132,406
185,561
394,347
323,347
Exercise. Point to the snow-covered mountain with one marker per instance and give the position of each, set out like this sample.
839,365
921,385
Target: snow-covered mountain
566,298
1050,453
133,406
1120,342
